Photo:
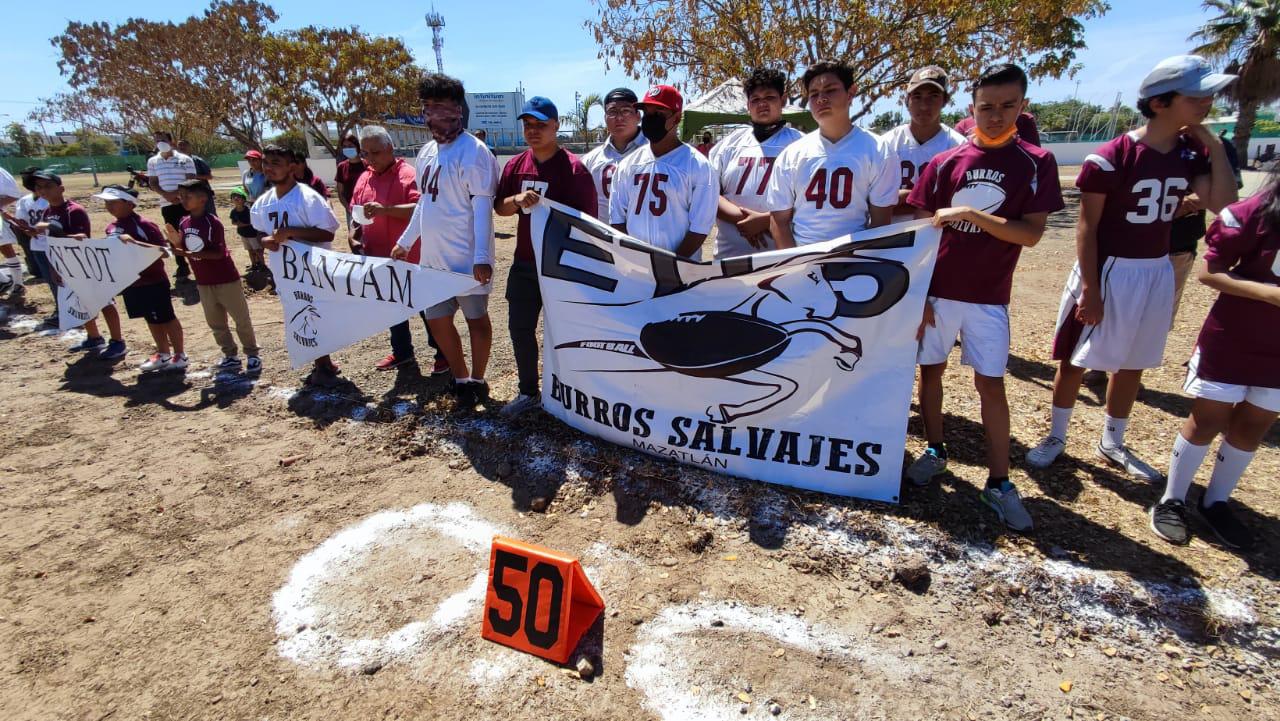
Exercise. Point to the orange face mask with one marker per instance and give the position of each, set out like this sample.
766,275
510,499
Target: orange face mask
1001,139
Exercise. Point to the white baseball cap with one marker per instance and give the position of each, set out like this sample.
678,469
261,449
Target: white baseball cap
115,192
1189,75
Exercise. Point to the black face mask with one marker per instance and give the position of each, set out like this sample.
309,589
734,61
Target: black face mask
654,126
765,131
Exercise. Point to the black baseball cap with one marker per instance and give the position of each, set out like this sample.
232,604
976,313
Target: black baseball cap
46,175
198,184
626,95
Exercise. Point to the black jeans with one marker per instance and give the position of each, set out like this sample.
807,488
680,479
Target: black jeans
402,339
524,305
173,215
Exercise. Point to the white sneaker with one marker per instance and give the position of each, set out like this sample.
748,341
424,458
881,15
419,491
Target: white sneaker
1043,455
228,362
178,361
157,362
1124,459
520,405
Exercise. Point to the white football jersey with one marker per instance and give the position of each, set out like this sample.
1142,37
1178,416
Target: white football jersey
662,199
602,162
31,209
744,167
449,177
913,156
831,186
301,207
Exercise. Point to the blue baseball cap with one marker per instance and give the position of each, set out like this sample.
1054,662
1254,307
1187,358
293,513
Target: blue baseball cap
540,108
1189,75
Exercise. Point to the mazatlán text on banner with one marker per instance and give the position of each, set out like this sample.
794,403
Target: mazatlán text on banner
793,366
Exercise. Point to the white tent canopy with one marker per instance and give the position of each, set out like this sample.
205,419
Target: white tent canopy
726,104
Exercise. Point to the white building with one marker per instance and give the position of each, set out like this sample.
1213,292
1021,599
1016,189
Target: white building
495,113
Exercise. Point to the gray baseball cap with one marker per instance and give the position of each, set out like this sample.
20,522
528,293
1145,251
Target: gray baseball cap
1186,75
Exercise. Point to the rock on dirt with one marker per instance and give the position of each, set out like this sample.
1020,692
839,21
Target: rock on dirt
586,669
539,504
912,571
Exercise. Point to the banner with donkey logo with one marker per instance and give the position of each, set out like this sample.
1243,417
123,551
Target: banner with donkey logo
91,272
332,300
792,366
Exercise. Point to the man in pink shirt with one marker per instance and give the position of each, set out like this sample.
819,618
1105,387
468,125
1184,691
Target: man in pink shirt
386,194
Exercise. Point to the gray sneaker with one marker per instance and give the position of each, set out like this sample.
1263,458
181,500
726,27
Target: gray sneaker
520,405
1124,459
924,468
1046,453
1007,504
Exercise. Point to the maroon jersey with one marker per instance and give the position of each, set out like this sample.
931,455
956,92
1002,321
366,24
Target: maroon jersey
1011,181
144,230
1026,123
216,271
1143,188
1238,341
67,219
562,178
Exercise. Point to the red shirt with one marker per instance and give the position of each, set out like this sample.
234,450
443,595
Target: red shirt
1238,342
348,172
209,272
562,178
144,230
1142,187
1011,181
394,186
1026,123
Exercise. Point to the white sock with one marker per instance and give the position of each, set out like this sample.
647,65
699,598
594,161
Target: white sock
14,266
1226,473
1183,464
460,381
1113,432
1061,418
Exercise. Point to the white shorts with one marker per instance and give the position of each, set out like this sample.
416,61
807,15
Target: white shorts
1267,399
473,307
1137,312
983,331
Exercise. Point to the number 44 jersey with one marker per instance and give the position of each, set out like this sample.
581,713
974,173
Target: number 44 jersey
661,199
1143,188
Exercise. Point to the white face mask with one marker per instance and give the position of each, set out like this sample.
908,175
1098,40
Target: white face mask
350,152
164,147
42,204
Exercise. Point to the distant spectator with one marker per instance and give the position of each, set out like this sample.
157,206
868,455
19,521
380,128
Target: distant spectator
349,169
303,174
253,181
483,136
165,170
706,145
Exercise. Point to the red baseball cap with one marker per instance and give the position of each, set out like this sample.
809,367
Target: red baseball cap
663,96
253,154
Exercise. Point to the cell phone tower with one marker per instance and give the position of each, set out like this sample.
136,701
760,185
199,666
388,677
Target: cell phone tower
435,21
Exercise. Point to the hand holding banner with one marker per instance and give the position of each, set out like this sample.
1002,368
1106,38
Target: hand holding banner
332,300
91,272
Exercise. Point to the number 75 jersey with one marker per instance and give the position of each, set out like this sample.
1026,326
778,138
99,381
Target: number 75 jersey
744,166
662,199
1143,188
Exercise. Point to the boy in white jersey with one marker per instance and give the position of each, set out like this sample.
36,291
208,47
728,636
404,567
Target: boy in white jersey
743,163
837,180
9,192
622,122
915,143
663,193
288,210
458,177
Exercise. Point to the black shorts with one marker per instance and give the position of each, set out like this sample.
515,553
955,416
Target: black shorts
173,214
149,301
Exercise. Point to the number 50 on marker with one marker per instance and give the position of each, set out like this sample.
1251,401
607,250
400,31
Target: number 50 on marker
538,600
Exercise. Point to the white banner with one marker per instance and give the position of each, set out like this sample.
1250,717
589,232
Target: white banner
92,272
333,299
792,366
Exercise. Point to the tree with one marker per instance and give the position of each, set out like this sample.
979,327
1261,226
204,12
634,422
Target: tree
1246,36
337,75
579,118
96,144
887,120
709,41
26,143
291,140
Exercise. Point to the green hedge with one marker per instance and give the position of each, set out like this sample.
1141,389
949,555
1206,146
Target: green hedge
104,163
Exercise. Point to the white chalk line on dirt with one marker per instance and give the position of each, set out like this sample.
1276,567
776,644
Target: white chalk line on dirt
300,618
663,666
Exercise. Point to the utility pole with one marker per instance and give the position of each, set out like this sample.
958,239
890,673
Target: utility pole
435,21
577,114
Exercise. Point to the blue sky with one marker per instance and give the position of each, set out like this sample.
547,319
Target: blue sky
496,45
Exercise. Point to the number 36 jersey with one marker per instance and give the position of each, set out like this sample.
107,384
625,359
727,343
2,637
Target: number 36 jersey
662,199
744,166
831,186
1143,188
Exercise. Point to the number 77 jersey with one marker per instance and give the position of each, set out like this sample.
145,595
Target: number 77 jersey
1143,188
744,167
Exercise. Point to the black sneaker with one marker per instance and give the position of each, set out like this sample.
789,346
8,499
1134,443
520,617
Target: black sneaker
1169,521
1230,531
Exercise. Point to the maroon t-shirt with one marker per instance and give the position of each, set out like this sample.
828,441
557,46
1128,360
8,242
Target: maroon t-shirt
209,272
1238,341
348,172
563,178
1011,181
70,218
1026,123
1143,188
144,230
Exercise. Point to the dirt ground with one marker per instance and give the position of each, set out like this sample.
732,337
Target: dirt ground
158,561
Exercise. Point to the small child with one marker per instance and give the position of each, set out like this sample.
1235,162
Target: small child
148,297
249,237
216,276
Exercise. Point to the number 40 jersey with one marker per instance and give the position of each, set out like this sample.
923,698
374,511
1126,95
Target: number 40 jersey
662,199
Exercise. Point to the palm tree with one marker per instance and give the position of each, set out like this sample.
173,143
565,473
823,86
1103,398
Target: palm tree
1246,36
579,119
